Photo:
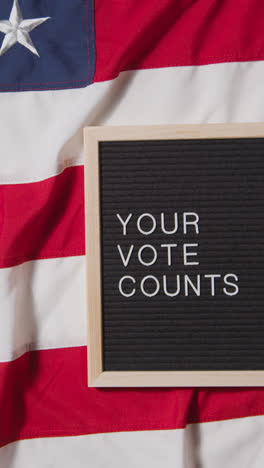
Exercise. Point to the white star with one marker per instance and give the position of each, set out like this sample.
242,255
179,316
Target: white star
16,29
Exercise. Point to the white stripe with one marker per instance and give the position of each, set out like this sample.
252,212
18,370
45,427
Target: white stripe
230,444
148,449
41,132
42,306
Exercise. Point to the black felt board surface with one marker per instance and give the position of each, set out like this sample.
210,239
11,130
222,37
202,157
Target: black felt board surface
222,181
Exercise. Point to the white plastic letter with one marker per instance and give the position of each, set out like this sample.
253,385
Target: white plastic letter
121,283
125,260
169,247
194,222
124,222
146,215
143,282
189,254
176,224
212,282
173,294
228,283
147,246
196,289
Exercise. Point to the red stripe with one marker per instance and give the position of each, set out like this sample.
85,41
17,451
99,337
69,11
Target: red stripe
42,219
44,394
152,33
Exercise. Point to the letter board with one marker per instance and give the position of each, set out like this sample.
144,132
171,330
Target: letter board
175,255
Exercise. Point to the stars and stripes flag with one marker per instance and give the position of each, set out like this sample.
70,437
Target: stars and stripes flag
65,65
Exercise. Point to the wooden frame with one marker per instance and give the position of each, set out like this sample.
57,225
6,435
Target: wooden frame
97,377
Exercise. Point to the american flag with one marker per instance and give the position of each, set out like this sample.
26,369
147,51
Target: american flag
65,65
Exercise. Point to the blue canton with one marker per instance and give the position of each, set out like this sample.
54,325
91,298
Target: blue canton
46,44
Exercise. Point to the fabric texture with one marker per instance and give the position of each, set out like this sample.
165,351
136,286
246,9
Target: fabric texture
149,62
